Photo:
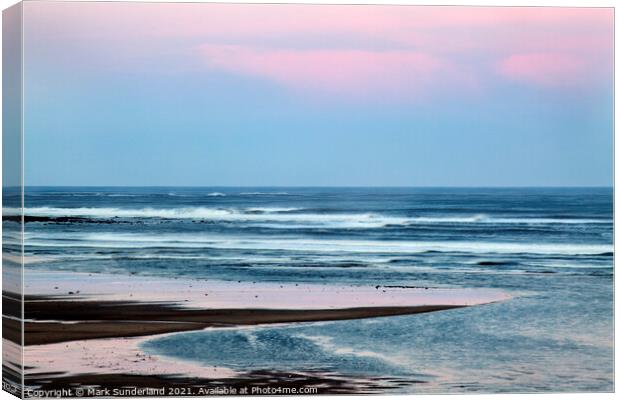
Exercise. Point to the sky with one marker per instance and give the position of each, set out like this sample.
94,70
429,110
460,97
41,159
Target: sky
173,94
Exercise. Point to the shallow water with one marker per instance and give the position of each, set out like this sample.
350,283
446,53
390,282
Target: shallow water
550,248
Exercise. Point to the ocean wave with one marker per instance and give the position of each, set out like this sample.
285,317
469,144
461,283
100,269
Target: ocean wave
131,240
290,217
216,194
274,217
264,194
112,212
267,210
484,219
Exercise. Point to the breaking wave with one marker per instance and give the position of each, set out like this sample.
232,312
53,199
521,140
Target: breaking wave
290,217
130,240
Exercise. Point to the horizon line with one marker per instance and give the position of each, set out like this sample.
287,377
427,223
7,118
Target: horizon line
320,186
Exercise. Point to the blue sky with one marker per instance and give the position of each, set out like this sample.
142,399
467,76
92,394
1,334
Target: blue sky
276,105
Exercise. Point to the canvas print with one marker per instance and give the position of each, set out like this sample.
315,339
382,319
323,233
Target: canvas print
294,199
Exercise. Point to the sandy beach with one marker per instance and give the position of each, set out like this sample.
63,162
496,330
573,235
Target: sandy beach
97,322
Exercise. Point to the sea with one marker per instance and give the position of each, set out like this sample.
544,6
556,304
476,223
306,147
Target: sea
551,249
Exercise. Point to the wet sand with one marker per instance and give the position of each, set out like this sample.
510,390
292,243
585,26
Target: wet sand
51,320
86,330
90,344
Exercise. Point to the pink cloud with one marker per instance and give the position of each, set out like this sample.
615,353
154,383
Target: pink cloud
200,19
340,72
546,69
350,50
